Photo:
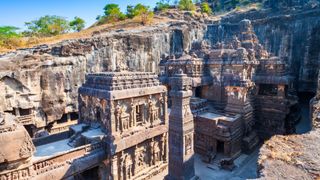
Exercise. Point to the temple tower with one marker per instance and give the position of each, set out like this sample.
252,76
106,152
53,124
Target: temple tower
181,129
131,108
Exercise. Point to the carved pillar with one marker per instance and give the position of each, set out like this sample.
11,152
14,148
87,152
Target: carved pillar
165,110
164,146
115,168
181,129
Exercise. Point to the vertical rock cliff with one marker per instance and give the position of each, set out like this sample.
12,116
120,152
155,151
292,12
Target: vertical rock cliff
290,34
41,83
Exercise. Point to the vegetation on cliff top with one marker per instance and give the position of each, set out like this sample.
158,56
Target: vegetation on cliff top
50,29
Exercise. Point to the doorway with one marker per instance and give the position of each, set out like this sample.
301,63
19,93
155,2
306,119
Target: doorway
220,146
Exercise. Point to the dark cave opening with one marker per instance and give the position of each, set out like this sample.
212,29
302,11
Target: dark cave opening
90,174
304,125
31,129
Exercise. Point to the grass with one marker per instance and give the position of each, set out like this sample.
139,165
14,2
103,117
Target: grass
27,42
125,24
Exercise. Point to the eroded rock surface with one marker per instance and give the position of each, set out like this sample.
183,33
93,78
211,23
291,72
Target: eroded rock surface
41,83
46,77
291,157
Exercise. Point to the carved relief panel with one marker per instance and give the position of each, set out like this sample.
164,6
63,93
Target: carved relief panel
188,139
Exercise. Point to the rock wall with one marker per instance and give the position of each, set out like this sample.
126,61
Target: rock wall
290,34
290,157
45,79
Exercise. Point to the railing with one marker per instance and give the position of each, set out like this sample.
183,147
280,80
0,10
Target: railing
46,165
26,120
58,128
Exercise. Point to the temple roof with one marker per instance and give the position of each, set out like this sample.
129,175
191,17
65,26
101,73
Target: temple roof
119,85
121,80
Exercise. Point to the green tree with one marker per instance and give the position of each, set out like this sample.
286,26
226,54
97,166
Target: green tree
162,5
141,11
186,5
77,24
131,12
113,13
144,13
205,8
47,26
9,36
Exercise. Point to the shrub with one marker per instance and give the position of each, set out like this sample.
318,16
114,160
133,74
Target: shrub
162,5
47,26
131,12
140,11
9,38
77,24
205,8
186,5
144,13
113,13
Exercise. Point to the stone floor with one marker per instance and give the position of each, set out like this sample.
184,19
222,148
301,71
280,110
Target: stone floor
246,169
52,148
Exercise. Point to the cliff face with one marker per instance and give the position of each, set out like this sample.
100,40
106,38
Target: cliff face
42,83
290,34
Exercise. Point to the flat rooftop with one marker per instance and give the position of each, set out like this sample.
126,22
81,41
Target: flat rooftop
62,145
217,116
52,149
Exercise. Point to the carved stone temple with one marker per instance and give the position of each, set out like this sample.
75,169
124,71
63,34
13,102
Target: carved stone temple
230,110
216,101
181,129
131,109
122,134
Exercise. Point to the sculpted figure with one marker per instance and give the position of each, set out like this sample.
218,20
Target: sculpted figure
161,108
132,114
118,112
152,114
188,143
163,148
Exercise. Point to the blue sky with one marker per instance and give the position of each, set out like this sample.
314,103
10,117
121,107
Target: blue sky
16,12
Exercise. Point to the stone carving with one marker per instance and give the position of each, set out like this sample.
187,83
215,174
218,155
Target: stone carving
153,112
188,144
136,122
181,123
26,149
118,112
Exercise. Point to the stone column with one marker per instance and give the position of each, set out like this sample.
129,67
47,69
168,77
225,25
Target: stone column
181,129
114,167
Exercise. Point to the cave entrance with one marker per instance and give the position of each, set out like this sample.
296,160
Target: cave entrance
90,174
198,92
220,146
74,116
304,125
63,119
31,129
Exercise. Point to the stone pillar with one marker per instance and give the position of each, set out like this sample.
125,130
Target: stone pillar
181,129
115,169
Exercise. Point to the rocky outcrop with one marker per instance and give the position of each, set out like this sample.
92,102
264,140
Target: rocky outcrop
294,156
292,34
291,157
42,82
